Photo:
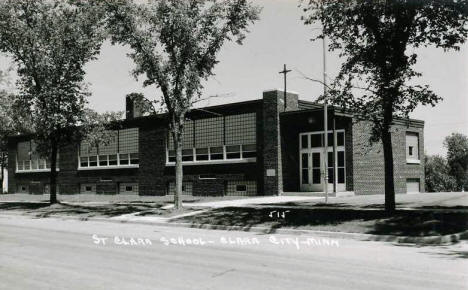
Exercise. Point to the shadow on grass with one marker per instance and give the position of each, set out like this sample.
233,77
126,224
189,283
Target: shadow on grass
84,211
401,223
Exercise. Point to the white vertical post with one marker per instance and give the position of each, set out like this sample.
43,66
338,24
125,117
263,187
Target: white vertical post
325,121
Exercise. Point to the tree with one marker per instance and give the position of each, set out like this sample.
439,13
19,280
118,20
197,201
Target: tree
457,158
437,175
174,44
375,81
50,41
12,122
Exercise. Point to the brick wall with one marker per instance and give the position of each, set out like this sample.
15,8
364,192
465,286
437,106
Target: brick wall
273,105
368,162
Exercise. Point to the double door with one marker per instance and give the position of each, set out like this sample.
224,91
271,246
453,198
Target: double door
312,171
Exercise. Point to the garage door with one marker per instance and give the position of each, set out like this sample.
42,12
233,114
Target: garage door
412,186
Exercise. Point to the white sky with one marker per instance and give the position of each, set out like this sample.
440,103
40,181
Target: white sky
279,37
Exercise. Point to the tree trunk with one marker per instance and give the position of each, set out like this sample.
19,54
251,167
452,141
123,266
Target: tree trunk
2,166
388,164
53,173
178,175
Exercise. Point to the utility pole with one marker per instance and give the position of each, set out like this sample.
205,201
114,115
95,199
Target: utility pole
285,72
325,122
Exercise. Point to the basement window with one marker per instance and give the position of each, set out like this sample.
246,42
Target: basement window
241,188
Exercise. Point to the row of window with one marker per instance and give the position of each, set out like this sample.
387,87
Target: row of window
120,141
33,164
232,188
218,131
109,160
314,140
215,153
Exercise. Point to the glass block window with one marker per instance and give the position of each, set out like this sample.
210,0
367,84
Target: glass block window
128,140
28,159
110,147
209,132
218,139
120,150
23,150
187,138
87,150
241,129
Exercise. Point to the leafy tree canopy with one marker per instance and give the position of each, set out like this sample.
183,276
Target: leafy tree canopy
50,42
457,158
437,175
374,39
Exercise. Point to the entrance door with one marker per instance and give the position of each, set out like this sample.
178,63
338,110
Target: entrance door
311,171
312,164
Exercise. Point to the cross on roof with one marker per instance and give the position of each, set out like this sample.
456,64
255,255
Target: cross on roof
285,72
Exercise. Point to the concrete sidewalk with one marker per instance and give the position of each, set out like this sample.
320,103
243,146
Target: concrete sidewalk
250,201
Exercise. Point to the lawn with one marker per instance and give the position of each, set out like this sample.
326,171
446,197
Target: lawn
402,223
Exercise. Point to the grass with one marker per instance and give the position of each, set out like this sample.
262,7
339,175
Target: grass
402,223
40,209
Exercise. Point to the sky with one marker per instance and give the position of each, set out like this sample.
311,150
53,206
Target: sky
278,38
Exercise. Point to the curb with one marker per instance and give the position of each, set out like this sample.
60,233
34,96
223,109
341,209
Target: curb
429,240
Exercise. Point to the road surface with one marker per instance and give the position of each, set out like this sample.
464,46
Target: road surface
71,254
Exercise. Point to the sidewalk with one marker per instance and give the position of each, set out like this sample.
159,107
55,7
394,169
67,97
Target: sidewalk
270,200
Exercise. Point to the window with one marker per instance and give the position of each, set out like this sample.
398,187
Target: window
88,188
93,161
120,150
249,151
123,159
223,138
128,188
186,188
209,132
28,159
134,159
216,153
187,155
103,160
241,188
233,152
305,141
172,156
315,140
241,129
412,145
341,167
202,154
207,176
113,160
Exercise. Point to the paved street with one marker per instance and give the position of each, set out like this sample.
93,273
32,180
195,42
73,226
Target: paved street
64,254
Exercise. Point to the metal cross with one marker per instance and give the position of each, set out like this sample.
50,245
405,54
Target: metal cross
284,72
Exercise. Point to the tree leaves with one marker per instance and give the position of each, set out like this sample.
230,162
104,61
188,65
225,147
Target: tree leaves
373,38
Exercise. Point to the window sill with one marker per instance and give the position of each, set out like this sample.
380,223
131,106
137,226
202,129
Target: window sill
210,162
413,161
35,170
109,167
